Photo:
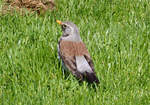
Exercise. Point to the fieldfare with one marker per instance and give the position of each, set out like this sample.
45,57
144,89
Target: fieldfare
74,54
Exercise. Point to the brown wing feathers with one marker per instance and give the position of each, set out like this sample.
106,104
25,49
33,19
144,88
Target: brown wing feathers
68,51
69,48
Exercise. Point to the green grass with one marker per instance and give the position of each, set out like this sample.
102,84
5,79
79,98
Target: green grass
117,35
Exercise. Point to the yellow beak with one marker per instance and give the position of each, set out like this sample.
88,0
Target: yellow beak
59,22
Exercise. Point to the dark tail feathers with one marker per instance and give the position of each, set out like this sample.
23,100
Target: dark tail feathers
91,78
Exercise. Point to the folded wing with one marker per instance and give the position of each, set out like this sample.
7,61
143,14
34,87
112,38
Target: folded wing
77,59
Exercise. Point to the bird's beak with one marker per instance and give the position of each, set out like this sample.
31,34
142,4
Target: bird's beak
59,22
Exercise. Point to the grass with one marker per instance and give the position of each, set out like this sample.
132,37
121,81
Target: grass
117,35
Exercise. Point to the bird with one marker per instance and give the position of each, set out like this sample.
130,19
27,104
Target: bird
73,53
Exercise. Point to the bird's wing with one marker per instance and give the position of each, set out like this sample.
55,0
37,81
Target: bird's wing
70,51
66,53
77,59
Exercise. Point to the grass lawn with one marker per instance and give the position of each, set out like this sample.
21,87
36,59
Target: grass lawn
117,35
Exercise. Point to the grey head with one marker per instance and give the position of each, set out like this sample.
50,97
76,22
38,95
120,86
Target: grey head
70,31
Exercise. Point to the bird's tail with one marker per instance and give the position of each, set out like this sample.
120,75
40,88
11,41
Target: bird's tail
91,78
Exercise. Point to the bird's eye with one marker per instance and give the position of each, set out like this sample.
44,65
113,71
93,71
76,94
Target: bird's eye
64,26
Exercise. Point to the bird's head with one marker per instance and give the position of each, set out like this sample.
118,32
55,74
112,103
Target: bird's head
70,31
